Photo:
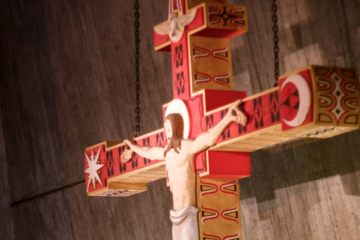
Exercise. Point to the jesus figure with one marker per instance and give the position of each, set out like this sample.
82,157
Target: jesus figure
179,155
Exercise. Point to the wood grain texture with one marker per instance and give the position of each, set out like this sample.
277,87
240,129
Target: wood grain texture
6,231
67,82
209,67
315,199
219,208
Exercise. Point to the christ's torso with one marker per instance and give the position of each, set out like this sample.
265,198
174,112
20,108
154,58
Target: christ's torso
181,174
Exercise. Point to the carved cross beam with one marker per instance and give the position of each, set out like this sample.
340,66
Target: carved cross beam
315,101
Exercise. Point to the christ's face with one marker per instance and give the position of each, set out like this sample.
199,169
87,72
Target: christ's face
168,130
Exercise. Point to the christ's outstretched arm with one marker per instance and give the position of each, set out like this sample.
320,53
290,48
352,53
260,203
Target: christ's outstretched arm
153,153
208,138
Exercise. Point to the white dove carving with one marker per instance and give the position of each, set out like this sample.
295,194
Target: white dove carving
174,25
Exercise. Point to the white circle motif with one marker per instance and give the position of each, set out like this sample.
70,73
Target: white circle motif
304,99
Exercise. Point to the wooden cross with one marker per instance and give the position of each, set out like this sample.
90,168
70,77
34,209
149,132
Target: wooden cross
314,101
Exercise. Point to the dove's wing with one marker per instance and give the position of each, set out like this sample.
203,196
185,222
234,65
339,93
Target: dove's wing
163,29
186,19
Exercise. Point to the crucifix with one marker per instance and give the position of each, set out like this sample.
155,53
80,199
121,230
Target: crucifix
315,101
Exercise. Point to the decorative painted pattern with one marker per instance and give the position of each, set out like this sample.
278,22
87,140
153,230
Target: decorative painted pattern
199,52
219,212
229,188
204,189
208,214
337,97
227,213
221,54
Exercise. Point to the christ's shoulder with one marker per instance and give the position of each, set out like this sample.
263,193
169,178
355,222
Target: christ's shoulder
187,141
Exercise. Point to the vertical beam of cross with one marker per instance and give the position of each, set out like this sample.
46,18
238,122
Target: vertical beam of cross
203,79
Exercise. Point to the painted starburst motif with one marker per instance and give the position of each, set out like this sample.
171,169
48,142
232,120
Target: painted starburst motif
93,168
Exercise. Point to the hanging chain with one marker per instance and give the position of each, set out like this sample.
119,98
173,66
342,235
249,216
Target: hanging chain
276,41
137,56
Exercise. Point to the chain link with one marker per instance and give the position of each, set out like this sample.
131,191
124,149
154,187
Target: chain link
137,59
276,41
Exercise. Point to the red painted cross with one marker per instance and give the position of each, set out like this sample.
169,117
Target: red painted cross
209,32
303,105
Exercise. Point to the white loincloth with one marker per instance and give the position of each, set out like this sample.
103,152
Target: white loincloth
185,224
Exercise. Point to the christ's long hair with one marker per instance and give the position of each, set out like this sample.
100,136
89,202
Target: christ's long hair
177,125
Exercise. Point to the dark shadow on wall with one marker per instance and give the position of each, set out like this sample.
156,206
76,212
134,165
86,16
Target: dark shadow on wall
303,161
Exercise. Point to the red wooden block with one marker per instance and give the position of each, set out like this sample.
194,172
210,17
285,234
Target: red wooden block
219,98
227,165
180,69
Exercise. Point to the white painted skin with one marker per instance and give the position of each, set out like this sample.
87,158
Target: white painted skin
180,166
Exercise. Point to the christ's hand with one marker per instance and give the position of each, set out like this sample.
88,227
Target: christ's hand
129,152
235,114
208,138
152,153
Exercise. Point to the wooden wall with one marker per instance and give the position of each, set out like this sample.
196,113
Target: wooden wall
67,82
